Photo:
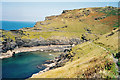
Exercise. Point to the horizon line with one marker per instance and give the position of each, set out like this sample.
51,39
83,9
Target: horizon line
18,20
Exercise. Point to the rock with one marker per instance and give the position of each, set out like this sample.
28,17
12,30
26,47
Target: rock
49,61
65,11
71,59
46,69
44,23
58,60
99,18
49,65
13,55
110,34
66,50
83,38
64,27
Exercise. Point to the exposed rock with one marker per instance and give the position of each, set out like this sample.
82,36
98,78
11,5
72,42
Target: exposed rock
65,11
9,44
58,61
83,38
64,27
110,34
99,18
44,23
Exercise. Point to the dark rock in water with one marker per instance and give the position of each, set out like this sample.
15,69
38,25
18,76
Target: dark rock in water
13,55
59,61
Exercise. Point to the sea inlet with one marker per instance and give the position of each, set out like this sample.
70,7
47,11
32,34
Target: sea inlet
24,64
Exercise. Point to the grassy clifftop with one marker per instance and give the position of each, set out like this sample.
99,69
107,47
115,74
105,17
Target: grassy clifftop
96,28
92,60
72,24
80,24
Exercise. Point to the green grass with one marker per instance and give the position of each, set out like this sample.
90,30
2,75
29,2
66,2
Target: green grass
116,24
110,12
89,58
92,60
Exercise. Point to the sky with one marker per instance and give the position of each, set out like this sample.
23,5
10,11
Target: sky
59,0
37,11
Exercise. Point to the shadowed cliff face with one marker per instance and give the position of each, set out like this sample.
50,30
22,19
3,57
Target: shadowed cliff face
71,27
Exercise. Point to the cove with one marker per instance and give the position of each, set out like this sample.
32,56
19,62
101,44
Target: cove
24,64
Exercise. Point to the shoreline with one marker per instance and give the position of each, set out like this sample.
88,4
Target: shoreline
55,63
36,48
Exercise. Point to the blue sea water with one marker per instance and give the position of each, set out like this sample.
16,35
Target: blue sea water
15,25
24,64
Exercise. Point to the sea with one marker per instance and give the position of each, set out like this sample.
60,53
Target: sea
15,25
23,65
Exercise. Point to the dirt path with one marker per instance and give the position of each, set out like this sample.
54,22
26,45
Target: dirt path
114,59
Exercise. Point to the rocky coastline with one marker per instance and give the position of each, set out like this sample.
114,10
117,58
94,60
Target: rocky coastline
50,48
10,47
57,61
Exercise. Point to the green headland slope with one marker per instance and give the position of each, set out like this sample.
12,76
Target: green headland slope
94,31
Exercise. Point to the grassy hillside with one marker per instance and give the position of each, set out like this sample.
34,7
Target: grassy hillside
96,27
71,24
92,59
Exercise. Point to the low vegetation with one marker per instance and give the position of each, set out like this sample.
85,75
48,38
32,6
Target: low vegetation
97,28
92,60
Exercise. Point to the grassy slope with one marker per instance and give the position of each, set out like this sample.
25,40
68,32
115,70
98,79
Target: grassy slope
75,20
93,61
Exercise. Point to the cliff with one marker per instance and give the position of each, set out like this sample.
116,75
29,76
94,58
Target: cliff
93,31
71,27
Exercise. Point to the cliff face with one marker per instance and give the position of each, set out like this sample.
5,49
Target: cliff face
71,27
